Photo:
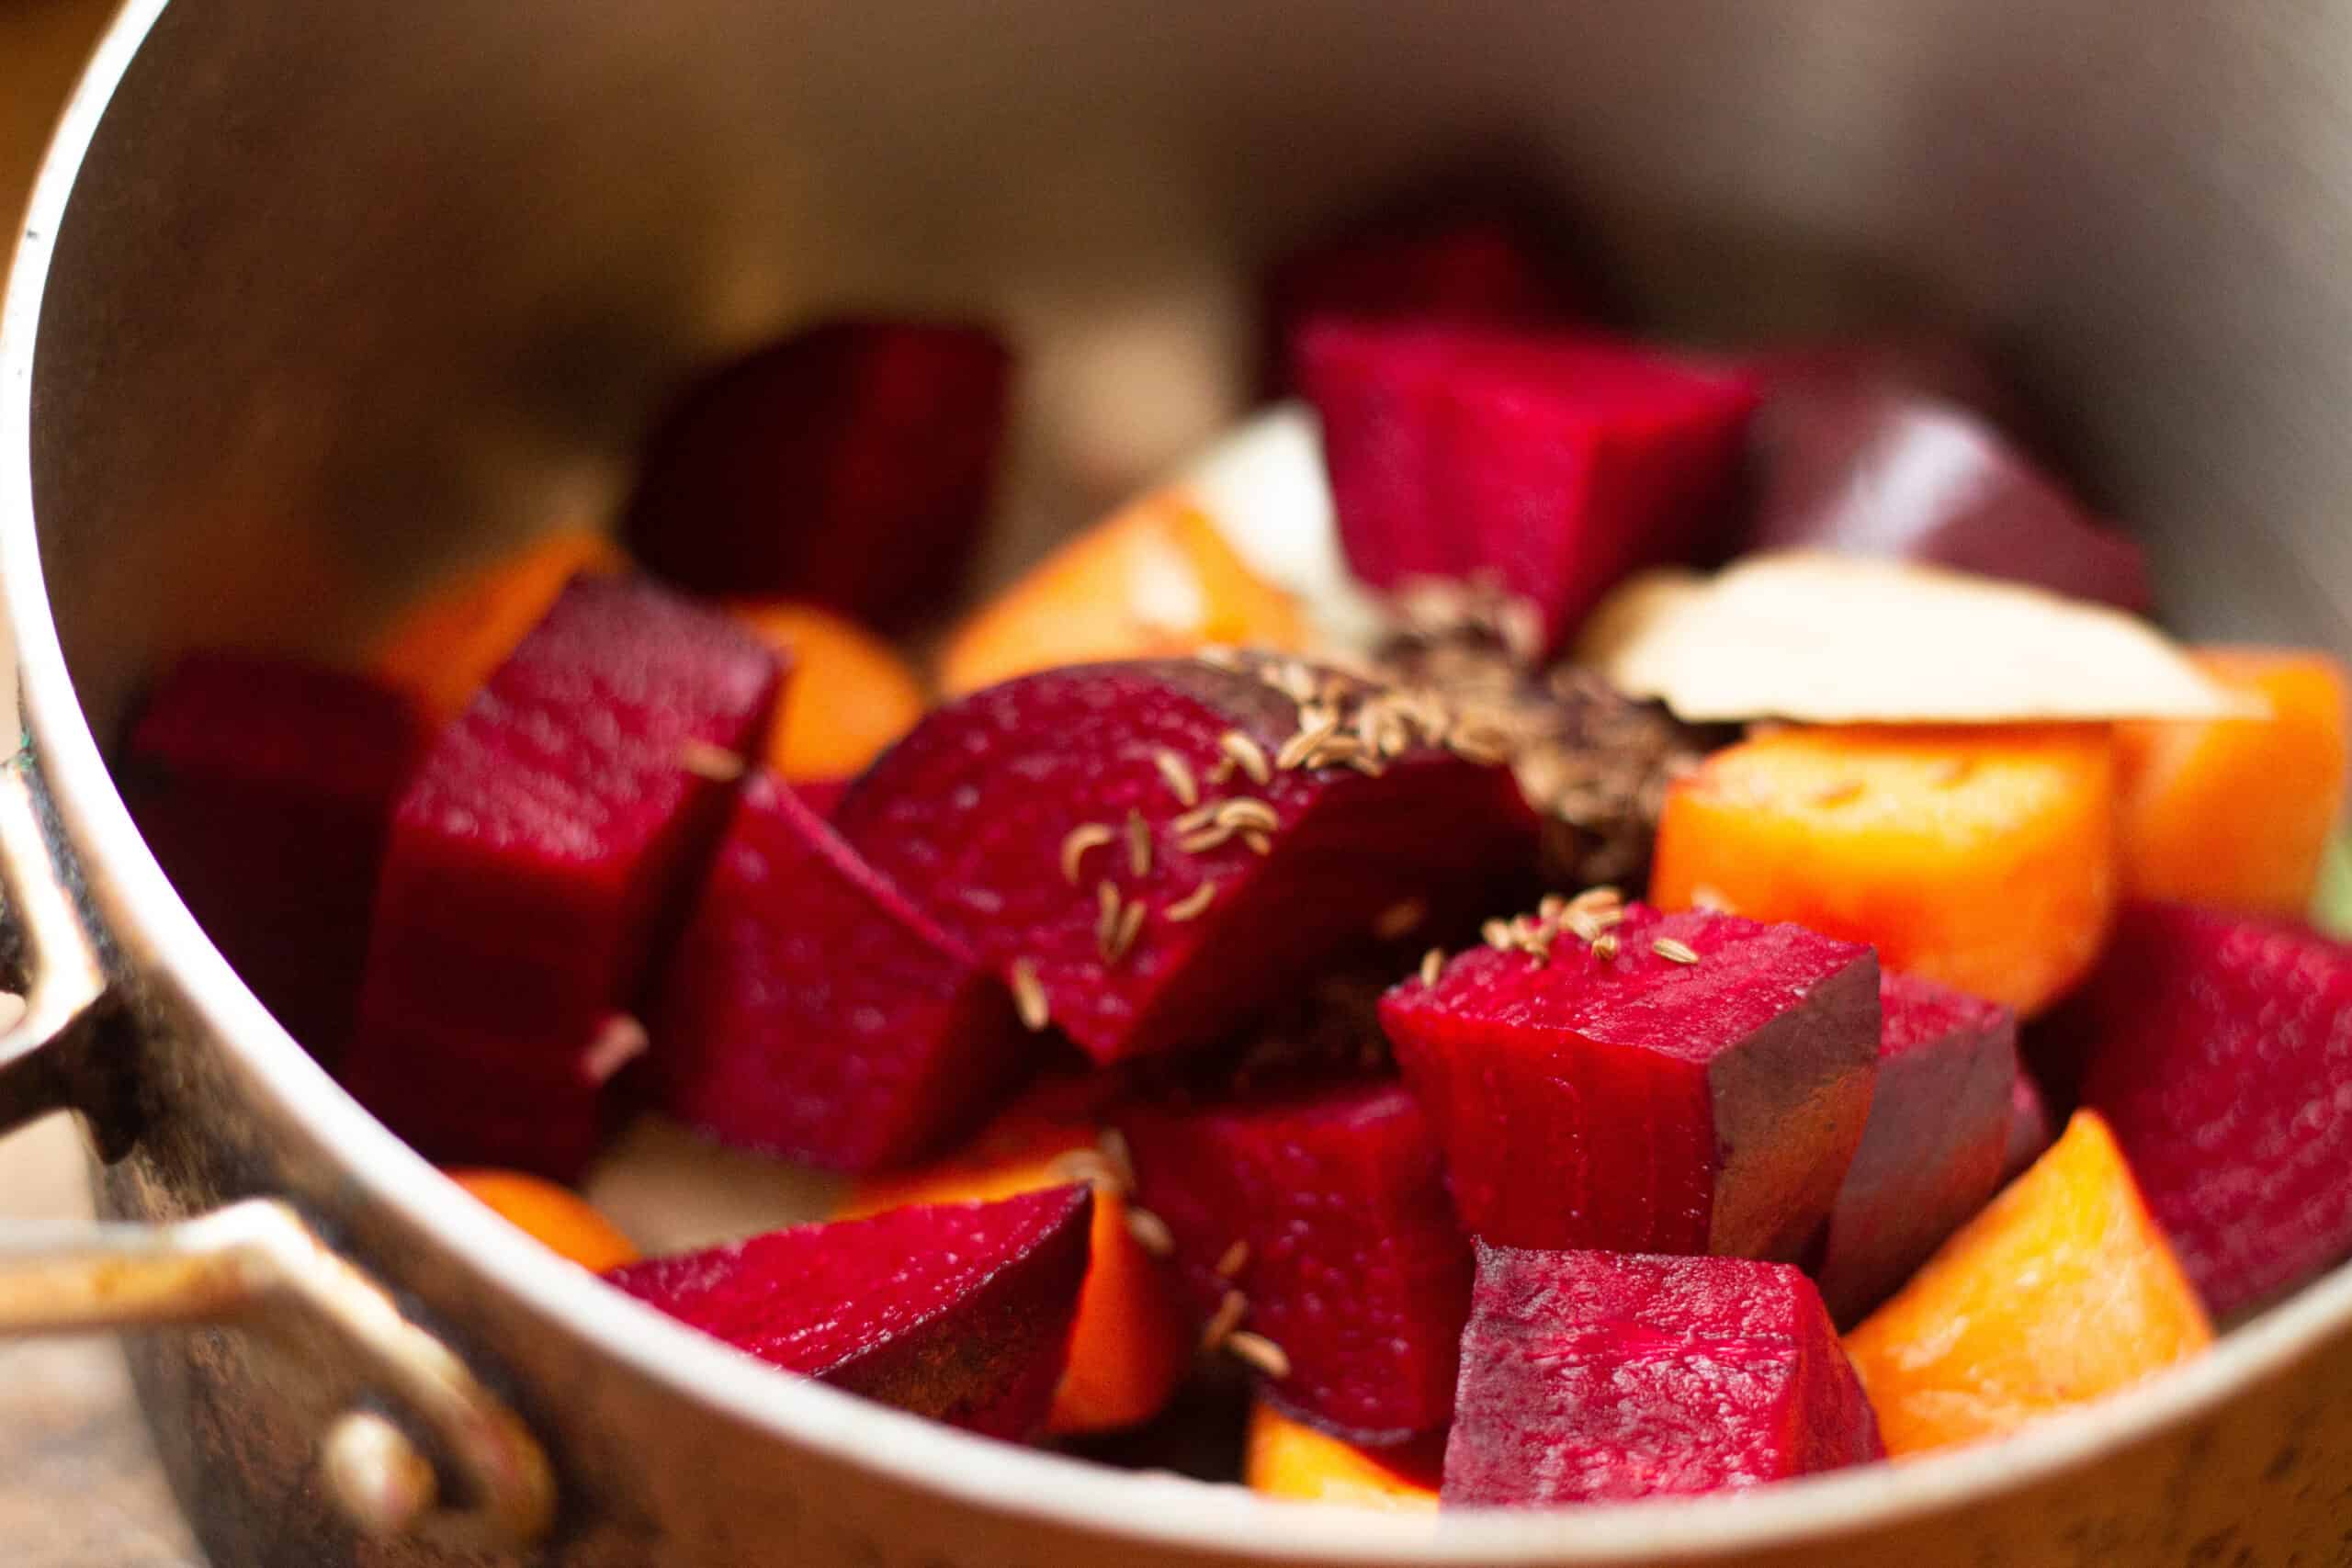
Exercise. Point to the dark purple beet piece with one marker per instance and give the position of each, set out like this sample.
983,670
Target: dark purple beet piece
959,1312
1925,362
1553,463
2032,1127
2220,1054
1640,1104
1932,1149
972,817
538,860
849,463
264,785
1869,468
810,1011
1595,1377
1325,1209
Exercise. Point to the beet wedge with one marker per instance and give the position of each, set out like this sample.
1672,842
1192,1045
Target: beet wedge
1687,1083
849,464
810,1011
2032,1127
1318,1221
1551,464
538,862
1151,852
266,786
1933,1148
1591,1376
958,1312
2219,1051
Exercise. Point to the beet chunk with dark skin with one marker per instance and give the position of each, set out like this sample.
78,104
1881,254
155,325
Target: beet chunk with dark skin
959,1312
1640,1104
2219,1051
810,1012
849,464
1088,833
1554,464
1933,1148
2032,1127
539,860
1325,1210
264,785
1592,1377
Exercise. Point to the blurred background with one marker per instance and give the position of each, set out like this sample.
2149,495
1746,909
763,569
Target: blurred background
78,1485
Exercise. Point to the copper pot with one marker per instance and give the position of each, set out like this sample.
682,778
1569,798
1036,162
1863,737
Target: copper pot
311,298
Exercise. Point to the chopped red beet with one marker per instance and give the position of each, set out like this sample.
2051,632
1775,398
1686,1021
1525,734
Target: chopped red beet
1640,1104
810,1012
848,463
1088,832
1554,463
1926,364
1591,1376
959,1312
1325,1210
264,785
2032,1127
538,860
820,796
2220,1054
1457,263
1869,468
1932,1149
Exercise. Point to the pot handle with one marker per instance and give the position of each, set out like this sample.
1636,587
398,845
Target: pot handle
254,1262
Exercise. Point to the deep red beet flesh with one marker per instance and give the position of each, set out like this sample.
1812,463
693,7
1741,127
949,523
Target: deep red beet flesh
2220,1049
1640,1104
959,1312
1933,1148
1591,1376
1193,903
810,1011
1327,1210
2032,1127
538,859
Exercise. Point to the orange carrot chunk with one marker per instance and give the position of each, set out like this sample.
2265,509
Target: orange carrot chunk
1289,1459
2063,1290
1153,579
1981,858
442,649
556,1217
852,694
2236,814
1131,1343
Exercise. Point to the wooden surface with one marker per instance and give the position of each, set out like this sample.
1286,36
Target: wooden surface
78,1482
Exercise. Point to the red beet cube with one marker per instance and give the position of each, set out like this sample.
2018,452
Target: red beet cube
959,1312
1592,1377
264,785
1865,467
1556,463
2032,1127
810,1012
848,463
1640,1102
1327,1210
2220,1053
1932,1150
1922,363
538,860
1458,264
1088,833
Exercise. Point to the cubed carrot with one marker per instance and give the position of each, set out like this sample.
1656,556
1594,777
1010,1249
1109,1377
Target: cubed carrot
1155,578
556,1217
852,694
1132,1342
2235,813
1290,1459
443,648
1981,858
2061,1291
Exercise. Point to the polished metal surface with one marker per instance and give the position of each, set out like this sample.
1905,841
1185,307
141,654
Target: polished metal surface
314,297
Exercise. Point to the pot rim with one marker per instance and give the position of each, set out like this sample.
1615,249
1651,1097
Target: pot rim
976,1471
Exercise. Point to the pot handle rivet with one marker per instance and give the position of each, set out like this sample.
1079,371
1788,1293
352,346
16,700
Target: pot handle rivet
380,1480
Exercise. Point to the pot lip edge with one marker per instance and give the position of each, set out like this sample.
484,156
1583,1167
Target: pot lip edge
919,1455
